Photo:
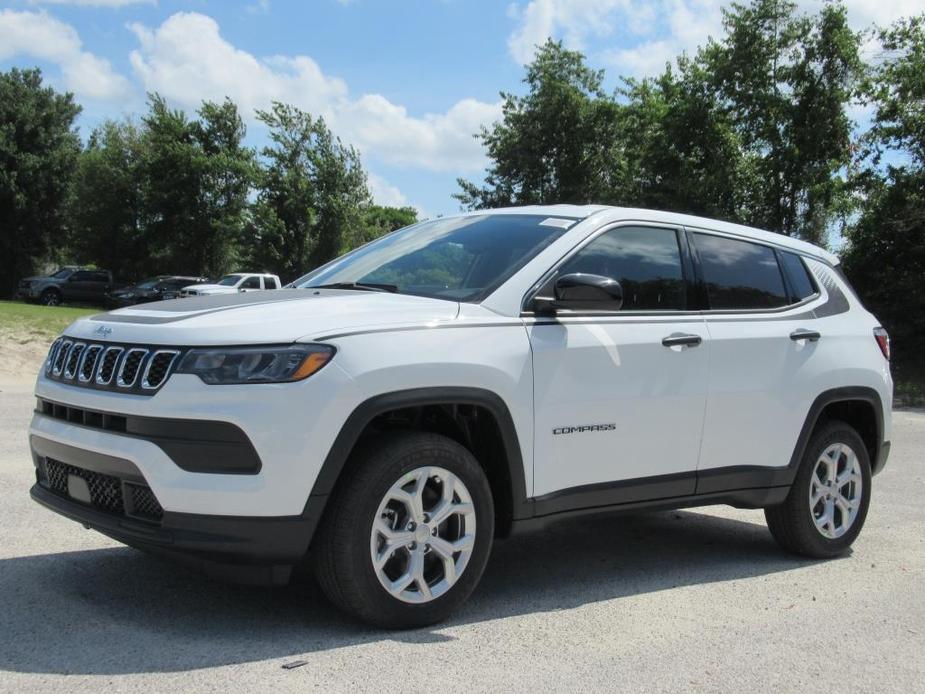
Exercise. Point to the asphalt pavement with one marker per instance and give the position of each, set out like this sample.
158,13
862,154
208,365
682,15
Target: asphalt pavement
700,600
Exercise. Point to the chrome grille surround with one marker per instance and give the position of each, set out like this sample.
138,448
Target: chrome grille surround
130,366
125,368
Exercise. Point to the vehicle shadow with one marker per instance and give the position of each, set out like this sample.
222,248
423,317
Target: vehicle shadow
117,611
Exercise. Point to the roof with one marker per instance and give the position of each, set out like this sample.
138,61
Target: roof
607,213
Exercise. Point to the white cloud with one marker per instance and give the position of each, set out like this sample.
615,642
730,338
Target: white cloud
40,36
644,35
94,3
187,60
384,193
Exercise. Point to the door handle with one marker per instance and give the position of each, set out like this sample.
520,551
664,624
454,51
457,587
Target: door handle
801,334
682,340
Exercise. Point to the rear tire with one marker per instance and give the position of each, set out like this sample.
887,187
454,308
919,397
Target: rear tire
827,504
406,535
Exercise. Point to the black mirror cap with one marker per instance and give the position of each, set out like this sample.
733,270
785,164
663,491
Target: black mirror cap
584,291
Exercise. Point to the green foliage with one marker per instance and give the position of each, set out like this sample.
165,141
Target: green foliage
751,129
311,192
552,144
885,256
38,153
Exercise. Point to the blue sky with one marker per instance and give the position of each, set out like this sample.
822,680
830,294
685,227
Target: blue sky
406,81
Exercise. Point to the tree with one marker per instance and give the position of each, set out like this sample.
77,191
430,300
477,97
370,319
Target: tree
885,256
311,193
553,144
38,153
196,178
107,211
377,220
785,80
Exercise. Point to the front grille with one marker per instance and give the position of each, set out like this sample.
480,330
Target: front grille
106,366
108,493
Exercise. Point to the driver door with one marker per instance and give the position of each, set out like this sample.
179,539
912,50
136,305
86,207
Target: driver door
619,395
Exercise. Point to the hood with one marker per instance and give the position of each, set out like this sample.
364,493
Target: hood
268,317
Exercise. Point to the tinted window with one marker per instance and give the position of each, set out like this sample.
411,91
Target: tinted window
81,276
458,258
269,283
644,260
739,274
250,283
801,284
99,276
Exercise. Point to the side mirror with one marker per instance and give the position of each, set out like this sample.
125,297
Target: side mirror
581,291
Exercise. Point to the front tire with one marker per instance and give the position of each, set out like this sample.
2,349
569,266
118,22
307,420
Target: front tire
50,297
407,534
827,504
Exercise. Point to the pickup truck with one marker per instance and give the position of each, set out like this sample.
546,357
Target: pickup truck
69,284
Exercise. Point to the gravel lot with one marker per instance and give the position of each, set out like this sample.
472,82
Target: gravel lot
700,600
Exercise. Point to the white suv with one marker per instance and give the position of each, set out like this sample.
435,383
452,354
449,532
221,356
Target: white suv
463,378
235,282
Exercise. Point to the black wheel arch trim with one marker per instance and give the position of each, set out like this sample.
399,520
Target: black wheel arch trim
831,397
367,411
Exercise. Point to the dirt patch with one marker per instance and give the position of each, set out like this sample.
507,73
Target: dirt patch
21,355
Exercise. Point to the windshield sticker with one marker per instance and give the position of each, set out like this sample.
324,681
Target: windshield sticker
557,222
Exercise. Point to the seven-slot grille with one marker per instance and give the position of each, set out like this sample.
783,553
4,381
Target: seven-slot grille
108,493
123,368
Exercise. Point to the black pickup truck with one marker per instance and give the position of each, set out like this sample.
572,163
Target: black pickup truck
69,284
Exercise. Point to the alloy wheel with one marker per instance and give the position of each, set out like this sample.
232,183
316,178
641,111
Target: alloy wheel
835,490
423,535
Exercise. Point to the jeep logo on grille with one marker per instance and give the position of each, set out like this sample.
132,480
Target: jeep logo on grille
103,331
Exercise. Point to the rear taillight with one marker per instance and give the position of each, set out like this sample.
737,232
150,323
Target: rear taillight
883,340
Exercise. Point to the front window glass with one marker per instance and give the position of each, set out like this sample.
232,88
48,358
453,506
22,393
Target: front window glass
460,258
62,274
229,280
740,275
645,261
251,283
149,283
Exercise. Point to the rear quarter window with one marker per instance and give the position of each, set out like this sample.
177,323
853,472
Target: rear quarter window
801,282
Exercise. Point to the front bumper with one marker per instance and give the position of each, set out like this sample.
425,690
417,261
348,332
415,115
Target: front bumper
260,550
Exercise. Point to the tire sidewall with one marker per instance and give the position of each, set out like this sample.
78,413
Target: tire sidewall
50,297
415,452
835,432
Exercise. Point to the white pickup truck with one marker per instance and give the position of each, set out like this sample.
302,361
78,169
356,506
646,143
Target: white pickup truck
235,282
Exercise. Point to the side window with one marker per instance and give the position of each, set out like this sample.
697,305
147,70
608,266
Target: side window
269,283
646,261
801,282
250,283
81,276
740,275
99,277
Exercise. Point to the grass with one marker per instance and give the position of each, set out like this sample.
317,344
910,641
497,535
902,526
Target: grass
27,322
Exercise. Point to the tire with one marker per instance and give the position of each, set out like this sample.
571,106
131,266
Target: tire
343,550
50,297
808,531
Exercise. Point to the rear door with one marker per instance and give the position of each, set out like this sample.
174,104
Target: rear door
763,359
618,398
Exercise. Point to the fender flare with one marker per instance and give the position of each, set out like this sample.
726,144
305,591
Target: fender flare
829,397
368,410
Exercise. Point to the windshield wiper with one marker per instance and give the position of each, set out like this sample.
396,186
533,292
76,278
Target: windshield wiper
361,286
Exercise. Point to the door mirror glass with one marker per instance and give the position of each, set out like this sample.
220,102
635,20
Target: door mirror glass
584,291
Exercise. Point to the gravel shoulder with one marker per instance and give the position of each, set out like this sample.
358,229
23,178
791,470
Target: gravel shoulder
697,600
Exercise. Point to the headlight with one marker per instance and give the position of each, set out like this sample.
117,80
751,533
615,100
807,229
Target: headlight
225,365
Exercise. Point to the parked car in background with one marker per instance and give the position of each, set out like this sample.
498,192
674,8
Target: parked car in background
69,284
235,282
152,289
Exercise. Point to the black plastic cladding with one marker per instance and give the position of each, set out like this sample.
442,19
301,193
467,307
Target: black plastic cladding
119,367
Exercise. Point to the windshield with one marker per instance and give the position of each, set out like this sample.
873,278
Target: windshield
229,280
148,283
460,258
62,274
